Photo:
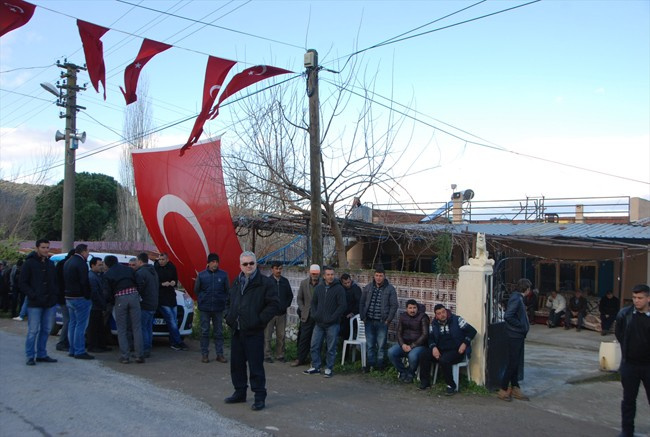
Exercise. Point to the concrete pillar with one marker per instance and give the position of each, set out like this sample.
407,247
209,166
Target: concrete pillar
580,214
457,211
471,304
355,256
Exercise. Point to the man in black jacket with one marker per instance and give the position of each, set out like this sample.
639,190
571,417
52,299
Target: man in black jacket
147,280
327,307
38,283
253,302
279,322
167,281
77,299
353,297
633,334
119,281
608,306
450,338
517,327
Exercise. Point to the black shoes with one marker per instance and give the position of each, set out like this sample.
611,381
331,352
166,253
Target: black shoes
258,405
450,391
31,362
235,399
84,356
424,385
46,359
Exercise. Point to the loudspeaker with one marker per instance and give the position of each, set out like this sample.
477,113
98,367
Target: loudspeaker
58,136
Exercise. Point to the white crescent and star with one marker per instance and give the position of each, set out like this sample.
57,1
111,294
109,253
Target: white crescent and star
214,88
252,73
170,203
15,9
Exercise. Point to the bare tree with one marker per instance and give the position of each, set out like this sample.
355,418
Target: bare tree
268,167
137,123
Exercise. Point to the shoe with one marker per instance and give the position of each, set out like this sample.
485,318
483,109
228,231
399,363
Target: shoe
365,369
139,360
125,360
235,399
450,391
401,377
45,359
204,359
518,394
221,359
296,363
328,373
31,362
424,385
281,360
504,395
311,371
176,347
268,360
408,379
62,346
183,346
84,356
258,405
18,319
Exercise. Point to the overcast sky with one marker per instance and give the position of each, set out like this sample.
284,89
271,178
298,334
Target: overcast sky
547,83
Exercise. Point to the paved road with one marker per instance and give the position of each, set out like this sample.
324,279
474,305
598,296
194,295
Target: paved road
74,397
185,396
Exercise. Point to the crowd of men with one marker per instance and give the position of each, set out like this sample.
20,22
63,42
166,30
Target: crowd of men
255,307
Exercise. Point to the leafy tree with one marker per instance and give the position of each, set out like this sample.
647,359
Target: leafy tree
95,207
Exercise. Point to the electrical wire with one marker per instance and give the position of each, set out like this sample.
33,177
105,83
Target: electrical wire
489,146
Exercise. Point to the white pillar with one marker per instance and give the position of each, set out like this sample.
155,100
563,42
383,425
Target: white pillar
471,305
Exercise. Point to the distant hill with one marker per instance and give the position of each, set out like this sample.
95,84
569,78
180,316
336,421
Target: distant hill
18,207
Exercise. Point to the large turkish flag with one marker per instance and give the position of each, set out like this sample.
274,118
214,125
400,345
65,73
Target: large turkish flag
184,205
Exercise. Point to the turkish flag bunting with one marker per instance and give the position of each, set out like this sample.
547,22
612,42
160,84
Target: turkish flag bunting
94,50
14,14
148,50
246,78
215,74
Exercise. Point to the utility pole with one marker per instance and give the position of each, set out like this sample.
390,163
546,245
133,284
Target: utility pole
311,64
69,101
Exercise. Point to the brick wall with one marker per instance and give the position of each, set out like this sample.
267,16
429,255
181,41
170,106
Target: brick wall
428,289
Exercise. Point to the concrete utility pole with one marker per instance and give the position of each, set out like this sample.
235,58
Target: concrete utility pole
71,144
311,64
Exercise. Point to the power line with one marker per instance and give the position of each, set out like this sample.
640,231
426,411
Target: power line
213,25
488,146
399,38
147,133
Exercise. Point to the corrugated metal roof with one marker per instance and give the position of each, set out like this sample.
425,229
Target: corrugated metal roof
608,231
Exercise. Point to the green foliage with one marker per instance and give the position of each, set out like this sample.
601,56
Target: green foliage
443,245
9,251
95,208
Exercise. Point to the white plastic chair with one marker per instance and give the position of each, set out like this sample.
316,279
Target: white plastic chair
358,340
455,371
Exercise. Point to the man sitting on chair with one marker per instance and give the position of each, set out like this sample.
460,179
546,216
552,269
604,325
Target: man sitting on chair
450,337
412,335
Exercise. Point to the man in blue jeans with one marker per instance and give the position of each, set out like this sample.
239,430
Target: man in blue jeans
167,281
412,335
38,282
211,288
77,299
327,307
377,309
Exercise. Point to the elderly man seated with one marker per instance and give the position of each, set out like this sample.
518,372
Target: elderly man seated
557,304
577,307
412,335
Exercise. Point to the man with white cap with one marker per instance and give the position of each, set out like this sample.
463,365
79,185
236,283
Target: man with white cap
305,294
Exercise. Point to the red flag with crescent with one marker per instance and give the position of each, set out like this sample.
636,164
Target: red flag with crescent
215,73
184,205
94,50
246,78
14,14
149,49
